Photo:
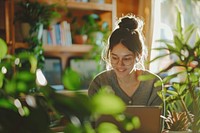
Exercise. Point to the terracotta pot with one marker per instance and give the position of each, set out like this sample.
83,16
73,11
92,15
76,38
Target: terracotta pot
80,39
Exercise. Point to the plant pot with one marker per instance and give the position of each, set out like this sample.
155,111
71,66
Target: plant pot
80,39
25,30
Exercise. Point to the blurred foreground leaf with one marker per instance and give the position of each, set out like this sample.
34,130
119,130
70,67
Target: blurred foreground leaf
3,48
71,79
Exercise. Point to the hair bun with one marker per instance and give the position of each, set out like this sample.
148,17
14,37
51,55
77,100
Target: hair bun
130,23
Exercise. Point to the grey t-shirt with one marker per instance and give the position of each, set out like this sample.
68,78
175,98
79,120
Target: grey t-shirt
145,94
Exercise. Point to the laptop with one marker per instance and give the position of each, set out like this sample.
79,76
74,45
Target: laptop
149,118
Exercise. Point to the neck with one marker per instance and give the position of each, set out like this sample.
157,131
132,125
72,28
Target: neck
133,77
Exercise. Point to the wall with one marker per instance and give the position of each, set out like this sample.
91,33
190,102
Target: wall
127,6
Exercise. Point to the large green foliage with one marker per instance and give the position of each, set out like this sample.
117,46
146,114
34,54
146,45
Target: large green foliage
183,95
28,105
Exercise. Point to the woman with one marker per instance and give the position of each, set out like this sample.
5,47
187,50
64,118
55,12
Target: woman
125,54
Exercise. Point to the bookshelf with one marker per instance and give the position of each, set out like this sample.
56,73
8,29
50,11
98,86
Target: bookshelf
107,12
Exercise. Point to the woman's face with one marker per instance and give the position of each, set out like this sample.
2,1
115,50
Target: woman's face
122,60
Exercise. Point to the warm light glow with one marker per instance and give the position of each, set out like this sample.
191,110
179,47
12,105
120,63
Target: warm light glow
30,100
17,61
75,121
4,70
40,78
17,103
21,111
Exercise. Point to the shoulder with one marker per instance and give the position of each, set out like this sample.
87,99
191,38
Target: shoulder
105,74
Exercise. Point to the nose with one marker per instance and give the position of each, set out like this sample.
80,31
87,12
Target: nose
120,62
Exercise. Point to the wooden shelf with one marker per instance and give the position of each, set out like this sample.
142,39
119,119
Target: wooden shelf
89,6
74,48
82,5
107,12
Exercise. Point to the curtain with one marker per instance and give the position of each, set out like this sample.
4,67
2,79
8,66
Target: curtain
146,11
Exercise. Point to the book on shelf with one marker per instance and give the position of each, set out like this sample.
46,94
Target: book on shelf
58,34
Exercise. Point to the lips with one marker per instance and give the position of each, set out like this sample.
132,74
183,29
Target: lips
121,70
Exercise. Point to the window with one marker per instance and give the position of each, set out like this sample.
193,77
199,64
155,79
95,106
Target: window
165,22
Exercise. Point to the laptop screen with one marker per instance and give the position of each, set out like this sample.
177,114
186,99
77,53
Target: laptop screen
149,117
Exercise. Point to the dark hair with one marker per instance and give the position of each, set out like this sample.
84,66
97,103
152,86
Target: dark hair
129,33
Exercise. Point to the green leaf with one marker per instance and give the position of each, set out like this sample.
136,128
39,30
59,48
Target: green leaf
197,45
158,57
71,128
28,56
182,89
146,77
3,48
11,87
169,77
178,42
179,22
21,86
1,79
4,103
136,122
188,32
71,79
107,127
25,76
173,50
172,92
107,103
158,83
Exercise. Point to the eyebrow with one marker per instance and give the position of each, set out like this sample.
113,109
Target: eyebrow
124,55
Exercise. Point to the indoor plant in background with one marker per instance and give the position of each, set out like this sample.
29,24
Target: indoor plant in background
36,16
79,32
90,25
97,33
183,95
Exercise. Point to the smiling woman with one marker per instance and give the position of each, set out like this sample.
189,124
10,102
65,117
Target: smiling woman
125,55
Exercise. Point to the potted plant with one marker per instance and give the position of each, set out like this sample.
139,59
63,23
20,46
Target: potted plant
177,122
35,16
91,26
97,30
79,32
183,95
